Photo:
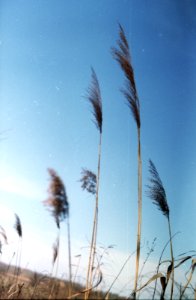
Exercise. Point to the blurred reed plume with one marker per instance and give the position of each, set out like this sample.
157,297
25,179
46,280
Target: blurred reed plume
55,259
18,226
122,55
55,250
57,200
157,193
94,97
59,207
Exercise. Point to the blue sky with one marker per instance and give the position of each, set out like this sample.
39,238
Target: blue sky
47,50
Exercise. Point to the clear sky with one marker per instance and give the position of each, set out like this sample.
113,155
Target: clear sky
47,49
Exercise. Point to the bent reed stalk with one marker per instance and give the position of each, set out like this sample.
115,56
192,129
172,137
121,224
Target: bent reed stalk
94,97
123,57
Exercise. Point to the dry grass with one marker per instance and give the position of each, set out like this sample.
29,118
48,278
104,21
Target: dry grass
38,286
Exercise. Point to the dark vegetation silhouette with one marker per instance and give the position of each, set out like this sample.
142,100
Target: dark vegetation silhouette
157,193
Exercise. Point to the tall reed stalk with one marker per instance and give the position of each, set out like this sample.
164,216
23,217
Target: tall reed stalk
157,193
94,97
123,57
59,208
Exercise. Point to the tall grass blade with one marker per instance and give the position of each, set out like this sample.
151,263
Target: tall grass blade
193,266
117,276
159,263
154,277
89,289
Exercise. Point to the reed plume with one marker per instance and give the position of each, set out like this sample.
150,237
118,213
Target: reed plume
122,55
59,207
89,181
57,202
156,190
94,97
157,193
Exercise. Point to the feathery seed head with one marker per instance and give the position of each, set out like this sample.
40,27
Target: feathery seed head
57,200
89,181
156,190
94,96
123,57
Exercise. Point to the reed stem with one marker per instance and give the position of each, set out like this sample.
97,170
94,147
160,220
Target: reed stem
95,224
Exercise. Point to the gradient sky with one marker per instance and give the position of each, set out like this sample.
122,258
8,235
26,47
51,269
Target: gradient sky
47,49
